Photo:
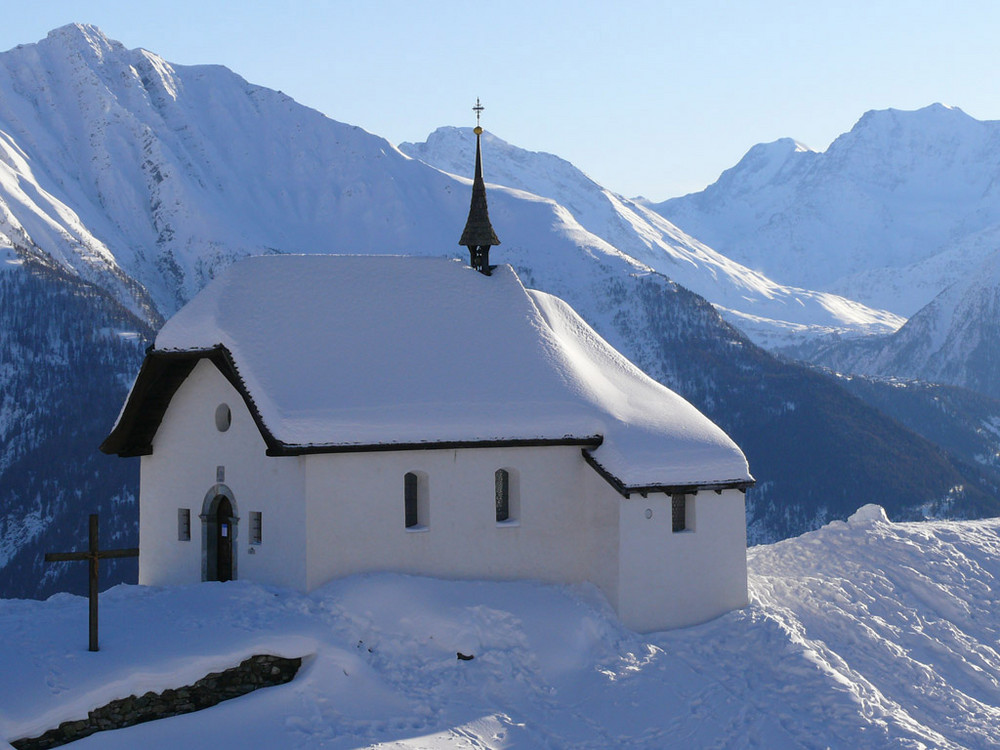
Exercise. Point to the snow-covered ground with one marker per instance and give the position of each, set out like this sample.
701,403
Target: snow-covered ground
863,634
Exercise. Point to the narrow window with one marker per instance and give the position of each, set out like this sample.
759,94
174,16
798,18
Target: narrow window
184,524
255,527
410,499
679,503
416,505
501,481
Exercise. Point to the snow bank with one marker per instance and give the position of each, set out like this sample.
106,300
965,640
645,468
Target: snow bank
872,636
867,515
901,619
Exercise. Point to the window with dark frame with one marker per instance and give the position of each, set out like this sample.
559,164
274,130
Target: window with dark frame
184,524
501,481
410,499
256,530
679,512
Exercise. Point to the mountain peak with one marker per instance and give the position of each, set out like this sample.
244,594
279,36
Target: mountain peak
452,149
780,149
947,112
932,122
900,188
84,37
762,164
939,107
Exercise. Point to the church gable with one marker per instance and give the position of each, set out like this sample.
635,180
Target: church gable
209,496
208,413
161,375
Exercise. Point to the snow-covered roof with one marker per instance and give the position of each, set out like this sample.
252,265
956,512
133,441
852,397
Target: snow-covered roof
342,351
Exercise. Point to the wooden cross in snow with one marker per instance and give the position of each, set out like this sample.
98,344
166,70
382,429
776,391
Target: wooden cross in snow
92,555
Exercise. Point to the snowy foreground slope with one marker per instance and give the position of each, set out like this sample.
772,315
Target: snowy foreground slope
863,634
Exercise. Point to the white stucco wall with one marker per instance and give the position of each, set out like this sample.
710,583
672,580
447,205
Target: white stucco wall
674,579
331,515
565,529
187,450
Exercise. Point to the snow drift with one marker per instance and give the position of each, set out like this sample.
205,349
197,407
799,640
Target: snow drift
863,634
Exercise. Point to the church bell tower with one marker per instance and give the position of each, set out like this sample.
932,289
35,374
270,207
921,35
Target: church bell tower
479,236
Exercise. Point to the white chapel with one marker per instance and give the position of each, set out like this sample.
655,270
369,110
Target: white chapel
305,418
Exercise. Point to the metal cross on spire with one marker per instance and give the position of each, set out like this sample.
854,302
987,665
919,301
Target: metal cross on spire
478,110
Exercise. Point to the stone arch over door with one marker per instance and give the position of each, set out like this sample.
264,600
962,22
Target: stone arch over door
219,522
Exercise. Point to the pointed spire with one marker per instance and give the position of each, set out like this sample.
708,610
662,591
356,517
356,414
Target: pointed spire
479,236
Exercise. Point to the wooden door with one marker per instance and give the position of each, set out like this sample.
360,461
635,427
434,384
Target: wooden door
224,540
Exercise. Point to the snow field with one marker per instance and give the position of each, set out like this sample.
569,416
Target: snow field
863,634
903,614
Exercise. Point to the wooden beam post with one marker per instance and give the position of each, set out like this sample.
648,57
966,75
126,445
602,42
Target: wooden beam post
93,555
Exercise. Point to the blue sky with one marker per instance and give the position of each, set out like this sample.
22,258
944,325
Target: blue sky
652,98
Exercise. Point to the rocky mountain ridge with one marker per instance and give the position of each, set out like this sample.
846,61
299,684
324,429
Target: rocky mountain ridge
768,312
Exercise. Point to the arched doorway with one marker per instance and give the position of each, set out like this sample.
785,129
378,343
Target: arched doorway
219,535
223,540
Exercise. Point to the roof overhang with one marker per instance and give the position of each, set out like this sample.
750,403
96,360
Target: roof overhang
627,490
163,372
591,441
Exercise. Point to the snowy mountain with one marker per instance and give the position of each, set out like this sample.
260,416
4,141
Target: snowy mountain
161,173
892,213
862,634
116,163
955,339
126,182
767,312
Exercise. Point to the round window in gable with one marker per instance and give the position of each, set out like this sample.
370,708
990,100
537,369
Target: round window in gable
223,417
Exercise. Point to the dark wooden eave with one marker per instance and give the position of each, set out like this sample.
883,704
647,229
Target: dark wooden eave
161,374
592,441
670,489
